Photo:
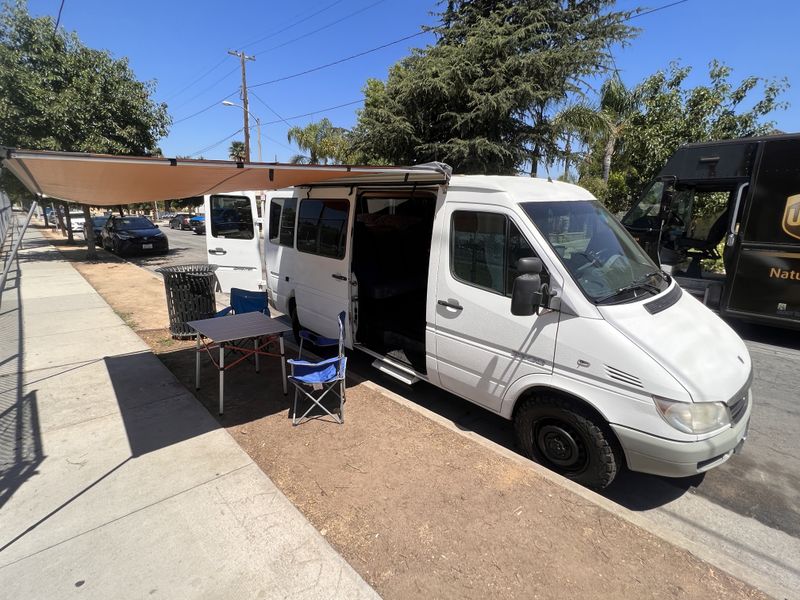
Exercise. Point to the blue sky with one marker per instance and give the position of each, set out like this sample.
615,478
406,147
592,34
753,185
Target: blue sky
178,42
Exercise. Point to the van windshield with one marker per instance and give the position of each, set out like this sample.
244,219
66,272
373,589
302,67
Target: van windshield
602,257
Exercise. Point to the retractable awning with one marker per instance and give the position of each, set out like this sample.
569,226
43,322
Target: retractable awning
104,180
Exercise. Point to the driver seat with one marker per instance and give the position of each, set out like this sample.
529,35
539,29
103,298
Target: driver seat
699,249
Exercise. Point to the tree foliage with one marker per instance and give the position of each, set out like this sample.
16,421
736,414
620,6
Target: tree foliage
236,151
482,98
60,95
669,114
322,142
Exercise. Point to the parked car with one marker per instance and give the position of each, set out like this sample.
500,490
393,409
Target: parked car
133,234
198,224
76,219
97,224
180,221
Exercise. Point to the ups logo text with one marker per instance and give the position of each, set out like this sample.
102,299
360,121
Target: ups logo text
791,216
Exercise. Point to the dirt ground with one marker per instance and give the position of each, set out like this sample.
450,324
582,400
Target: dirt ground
418,510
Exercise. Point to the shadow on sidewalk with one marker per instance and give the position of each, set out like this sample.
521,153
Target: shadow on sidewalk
21,450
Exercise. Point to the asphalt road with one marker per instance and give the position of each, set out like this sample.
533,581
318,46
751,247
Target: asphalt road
748,509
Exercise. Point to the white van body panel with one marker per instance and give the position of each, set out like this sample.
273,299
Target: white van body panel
690,342
238,260
322,284
481,346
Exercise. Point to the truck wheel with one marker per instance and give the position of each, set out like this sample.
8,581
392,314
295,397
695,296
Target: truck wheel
559,434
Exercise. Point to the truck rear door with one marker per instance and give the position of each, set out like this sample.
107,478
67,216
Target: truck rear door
232,240
766,275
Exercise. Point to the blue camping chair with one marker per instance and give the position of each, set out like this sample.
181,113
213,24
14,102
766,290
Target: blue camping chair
321,378
245,301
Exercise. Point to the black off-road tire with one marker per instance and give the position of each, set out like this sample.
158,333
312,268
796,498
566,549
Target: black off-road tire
545,425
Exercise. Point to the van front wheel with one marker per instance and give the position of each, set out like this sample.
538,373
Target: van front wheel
561,435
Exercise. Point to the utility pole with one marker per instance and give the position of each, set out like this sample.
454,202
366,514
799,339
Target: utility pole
245,110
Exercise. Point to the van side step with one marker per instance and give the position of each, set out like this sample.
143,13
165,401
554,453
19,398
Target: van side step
400,374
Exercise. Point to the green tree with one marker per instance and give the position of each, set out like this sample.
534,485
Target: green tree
321,141
236,151
670,114
482,98
60,95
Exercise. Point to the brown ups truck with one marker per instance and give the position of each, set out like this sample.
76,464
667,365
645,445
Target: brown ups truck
723,218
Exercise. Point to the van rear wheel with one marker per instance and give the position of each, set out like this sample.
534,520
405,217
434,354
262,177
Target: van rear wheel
559,434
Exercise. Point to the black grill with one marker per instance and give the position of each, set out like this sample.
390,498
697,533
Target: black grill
738,408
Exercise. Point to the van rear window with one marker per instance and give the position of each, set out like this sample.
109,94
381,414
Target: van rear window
282,213
322,227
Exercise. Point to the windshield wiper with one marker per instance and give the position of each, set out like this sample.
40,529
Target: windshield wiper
639,284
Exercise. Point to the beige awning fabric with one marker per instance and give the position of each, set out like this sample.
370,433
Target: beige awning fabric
103,180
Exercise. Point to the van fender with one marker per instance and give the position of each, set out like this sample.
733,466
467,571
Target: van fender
615,405
544,382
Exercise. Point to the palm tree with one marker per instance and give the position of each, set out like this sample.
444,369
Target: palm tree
321,141
608,121
236,151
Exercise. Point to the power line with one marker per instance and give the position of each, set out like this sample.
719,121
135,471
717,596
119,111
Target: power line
272,110
215,144
288,27
338,62
209,87
316,112
328,26
197,80
658,8
209,107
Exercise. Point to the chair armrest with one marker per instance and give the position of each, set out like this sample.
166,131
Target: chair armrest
225,311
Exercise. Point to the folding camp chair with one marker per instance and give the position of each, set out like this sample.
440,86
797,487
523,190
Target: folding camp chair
245,301
316,379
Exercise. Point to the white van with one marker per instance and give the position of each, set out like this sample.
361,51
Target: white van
522,295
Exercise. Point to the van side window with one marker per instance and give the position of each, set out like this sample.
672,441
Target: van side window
231,217
282,212
322,227
485,248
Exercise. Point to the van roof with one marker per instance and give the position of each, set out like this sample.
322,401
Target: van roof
523,189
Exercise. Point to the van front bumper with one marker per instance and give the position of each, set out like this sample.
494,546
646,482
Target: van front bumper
650,454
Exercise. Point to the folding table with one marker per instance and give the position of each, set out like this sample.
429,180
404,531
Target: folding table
226,332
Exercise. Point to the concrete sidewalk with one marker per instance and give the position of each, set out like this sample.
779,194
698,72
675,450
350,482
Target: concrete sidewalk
115,481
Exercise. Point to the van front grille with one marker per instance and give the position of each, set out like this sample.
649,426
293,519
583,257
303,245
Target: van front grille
738,408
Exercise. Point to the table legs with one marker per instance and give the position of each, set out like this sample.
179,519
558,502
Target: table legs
197,364
283,364
221,376
255,347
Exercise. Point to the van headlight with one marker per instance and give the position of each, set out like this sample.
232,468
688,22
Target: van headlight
693,417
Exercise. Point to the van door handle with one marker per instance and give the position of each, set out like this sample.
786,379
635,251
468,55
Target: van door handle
339,277
217,251
449,305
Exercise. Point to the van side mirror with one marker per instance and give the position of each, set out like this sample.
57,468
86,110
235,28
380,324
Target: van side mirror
667,194
528,293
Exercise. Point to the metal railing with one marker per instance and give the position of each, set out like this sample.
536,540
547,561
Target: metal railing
7,223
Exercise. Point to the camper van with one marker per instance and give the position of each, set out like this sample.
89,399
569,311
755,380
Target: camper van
522,295
724,219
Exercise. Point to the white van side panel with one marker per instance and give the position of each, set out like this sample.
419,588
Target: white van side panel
480,346
320,284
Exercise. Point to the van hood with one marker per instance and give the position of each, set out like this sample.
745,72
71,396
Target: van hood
692,343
